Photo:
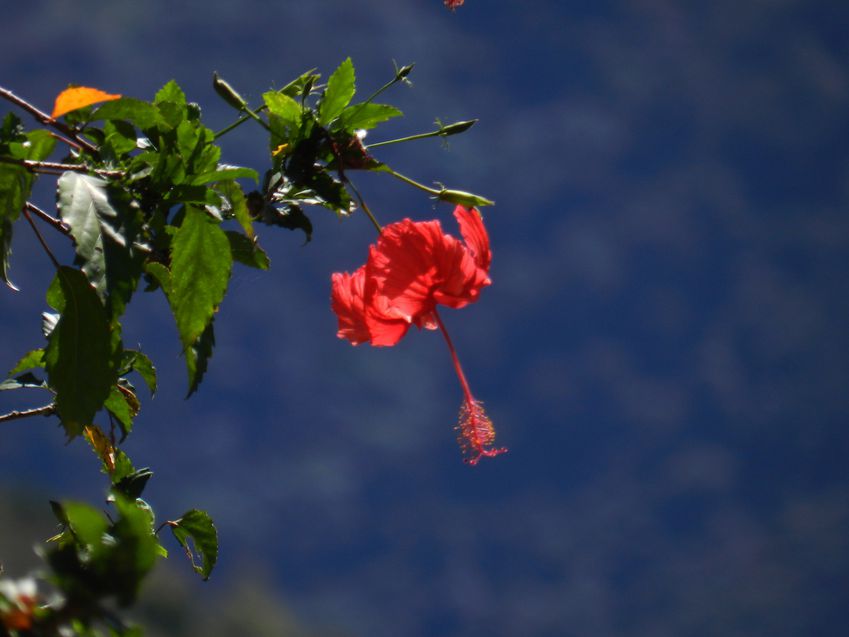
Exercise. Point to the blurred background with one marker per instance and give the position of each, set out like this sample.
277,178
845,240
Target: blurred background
664,347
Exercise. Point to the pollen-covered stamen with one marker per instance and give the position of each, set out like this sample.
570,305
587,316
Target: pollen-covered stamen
475,431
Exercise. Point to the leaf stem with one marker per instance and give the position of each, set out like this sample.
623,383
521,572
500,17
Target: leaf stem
442,131
44,410
409,138
249,114
364,206
413,182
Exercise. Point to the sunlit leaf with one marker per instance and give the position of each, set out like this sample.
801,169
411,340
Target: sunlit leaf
85,207
142,114
200,270
338,94
365,116
77,97
121,409
31,360
223,173
79,356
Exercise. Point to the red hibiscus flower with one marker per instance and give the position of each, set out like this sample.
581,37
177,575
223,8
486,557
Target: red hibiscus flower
453,4
413,268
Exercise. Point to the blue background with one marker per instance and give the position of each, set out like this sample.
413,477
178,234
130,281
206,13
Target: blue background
664,347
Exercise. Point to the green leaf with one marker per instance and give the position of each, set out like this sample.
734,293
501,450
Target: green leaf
120,139
232,191
95,558
170,101
197,358
41,144
123,467
138,362
80,356
171,92
366,115
55,297
132,485
225,174
302,85
123,412
290,216
200,270
247,251
161,274
134,551
284,118
24,381
138,112
189,135
283,106
14,189
338,94
31,360
84,205
197,526
86,523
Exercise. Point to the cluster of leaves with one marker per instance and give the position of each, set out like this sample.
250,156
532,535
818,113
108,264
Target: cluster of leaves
147,202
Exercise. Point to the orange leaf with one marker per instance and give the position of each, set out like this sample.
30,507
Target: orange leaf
101,445
78,96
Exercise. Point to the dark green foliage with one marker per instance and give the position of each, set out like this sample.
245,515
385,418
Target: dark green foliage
95,558
15,180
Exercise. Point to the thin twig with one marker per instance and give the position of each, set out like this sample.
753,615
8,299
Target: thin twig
60,225
64,139
53,167
40,238
44,118
44,410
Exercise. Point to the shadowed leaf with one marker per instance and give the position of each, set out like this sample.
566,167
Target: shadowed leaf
79,357
197,527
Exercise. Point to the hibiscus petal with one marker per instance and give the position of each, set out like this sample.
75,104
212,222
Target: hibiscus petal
475,235
347,301
384,331
402,270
